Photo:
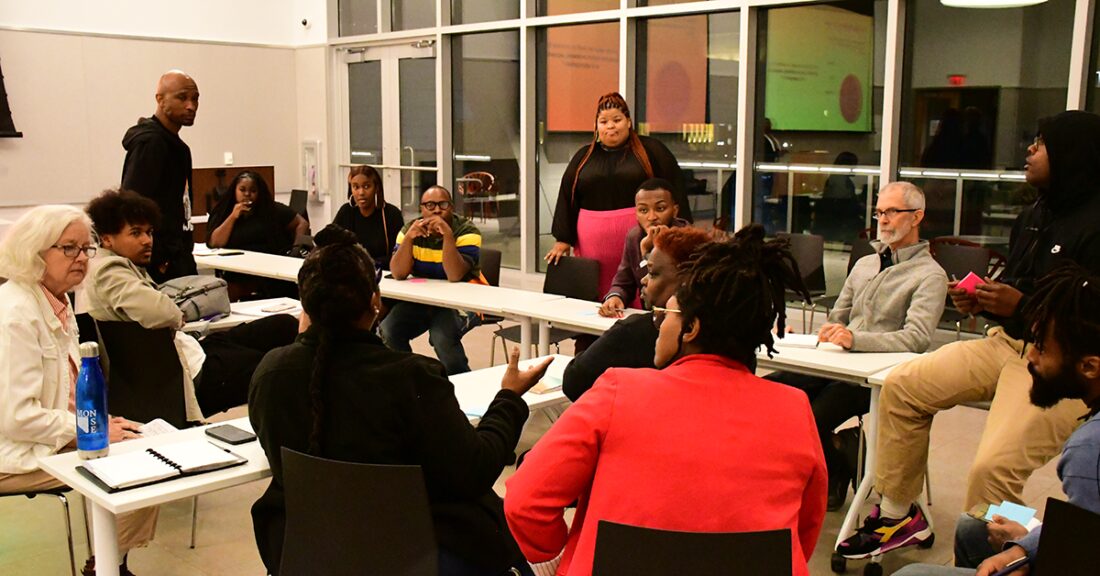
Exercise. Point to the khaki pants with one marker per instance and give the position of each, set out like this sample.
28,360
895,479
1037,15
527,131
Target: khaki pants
135,528
1018,437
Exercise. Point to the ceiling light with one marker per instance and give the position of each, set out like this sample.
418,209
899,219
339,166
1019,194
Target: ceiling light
990,3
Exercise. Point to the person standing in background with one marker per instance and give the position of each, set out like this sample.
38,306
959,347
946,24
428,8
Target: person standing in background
158,166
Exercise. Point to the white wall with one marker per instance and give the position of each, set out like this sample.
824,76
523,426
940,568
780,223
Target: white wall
238,21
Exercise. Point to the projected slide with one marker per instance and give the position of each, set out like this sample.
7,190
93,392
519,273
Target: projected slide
582,64
819,69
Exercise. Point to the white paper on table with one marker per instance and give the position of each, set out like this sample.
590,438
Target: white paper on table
156,427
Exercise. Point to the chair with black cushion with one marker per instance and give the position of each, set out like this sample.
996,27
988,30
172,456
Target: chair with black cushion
959,259
60,494
144,374
299,202
346,518
860,247
572,277
489,261
808,251
623,550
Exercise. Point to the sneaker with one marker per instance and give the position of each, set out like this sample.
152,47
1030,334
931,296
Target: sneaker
881,535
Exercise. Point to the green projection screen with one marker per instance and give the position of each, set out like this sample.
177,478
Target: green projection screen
819,69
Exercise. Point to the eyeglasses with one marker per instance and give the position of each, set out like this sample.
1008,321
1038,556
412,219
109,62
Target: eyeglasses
890,213
659,314
442,205
71,250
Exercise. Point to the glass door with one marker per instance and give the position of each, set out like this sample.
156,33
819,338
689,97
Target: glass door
391,119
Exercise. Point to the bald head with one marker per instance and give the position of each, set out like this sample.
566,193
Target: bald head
177,100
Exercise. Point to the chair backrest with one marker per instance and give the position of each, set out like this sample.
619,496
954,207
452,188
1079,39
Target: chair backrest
299,204
144,374
351,518
574,277
860,247
809,251
490,265
958,260
995,264
1068,542
477,184
630,550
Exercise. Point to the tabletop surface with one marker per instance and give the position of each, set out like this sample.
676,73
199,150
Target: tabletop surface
844,365
476,389
568,313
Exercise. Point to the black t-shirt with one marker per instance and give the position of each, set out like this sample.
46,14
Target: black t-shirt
376,239
264,230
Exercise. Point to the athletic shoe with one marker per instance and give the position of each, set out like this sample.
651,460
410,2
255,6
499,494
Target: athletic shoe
881,535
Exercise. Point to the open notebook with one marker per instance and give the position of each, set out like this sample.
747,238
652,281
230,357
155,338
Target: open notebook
152,465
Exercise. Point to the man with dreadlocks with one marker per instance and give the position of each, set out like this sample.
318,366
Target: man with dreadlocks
1064,165
700,445
1063,321
595,206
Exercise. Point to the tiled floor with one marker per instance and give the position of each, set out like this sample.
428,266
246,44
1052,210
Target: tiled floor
32,536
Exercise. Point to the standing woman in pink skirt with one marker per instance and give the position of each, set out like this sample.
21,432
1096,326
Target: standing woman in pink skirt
596,200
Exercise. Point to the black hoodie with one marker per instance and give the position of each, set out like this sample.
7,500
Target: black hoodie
158,166
1064,223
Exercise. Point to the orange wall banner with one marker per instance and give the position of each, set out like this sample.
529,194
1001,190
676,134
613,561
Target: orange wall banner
676,72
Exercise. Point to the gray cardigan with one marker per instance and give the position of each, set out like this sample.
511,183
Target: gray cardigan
897,309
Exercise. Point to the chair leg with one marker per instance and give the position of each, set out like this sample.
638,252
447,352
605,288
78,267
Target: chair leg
194,518
493,351
928,482
68,532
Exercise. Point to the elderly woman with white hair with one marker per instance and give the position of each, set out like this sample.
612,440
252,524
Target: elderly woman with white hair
44,256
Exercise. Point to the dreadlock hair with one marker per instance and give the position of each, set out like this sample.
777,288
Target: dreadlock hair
379,196
1065,305
613,100
735,289
336,283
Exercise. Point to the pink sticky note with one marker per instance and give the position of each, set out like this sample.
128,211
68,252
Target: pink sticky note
416,280
970,282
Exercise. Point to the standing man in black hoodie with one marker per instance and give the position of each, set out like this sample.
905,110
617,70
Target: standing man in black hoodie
158,166
1062,226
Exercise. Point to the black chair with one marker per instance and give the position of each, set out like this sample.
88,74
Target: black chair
58,493
490,265
144,374
299,202
809,252
958,260
623,550
572,277
860,247
350,518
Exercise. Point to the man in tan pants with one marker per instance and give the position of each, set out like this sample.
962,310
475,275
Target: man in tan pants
1064,165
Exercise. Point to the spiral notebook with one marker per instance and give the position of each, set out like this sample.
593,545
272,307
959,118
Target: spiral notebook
153,465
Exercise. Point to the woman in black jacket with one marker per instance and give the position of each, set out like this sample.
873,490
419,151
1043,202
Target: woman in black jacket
338,392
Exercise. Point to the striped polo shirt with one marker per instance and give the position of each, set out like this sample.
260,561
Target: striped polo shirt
428,251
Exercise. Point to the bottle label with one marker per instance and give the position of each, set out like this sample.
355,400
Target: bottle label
87,421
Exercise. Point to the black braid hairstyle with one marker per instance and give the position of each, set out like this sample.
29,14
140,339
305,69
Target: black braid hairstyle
1068,297
337,283
736,290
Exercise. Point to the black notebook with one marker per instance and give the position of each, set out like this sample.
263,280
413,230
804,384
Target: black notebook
152,465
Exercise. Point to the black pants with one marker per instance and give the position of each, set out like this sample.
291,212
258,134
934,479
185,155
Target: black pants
232,357
833,403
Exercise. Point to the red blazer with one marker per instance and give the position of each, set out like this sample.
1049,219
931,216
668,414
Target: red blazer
703,446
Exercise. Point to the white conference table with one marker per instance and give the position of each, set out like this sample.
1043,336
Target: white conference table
475,390
476,298
566,313
242,312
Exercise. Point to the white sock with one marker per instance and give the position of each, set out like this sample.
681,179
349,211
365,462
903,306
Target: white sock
891,509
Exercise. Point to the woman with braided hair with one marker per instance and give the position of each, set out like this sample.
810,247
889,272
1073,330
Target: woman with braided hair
595,206
340,393
699,445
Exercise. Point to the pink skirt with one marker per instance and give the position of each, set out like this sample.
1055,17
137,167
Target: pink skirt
600,236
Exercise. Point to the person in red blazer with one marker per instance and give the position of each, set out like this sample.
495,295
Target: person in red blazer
701,444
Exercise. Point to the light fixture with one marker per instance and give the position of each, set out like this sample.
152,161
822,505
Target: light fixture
990,3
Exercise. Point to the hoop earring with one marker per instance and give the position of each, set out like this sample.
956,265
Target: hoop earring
351,202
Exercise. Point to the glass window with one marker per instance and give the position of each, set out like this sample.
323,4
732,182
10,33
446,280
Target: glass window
485,113
412,14
1094,70
365,112
818,118
418,145
358,17
687,99
555,7
973,91
471,11
582,64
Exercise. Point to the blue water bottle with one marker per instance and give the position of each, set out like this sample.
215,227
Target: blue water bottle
92,425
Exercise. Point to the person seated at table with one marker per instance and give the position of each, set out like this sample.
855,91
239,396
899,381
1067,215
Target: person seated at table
442,245
340,393
249,218
890,302
367,214
216,370
629,342
656,210
701,445
43,257
1064,362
